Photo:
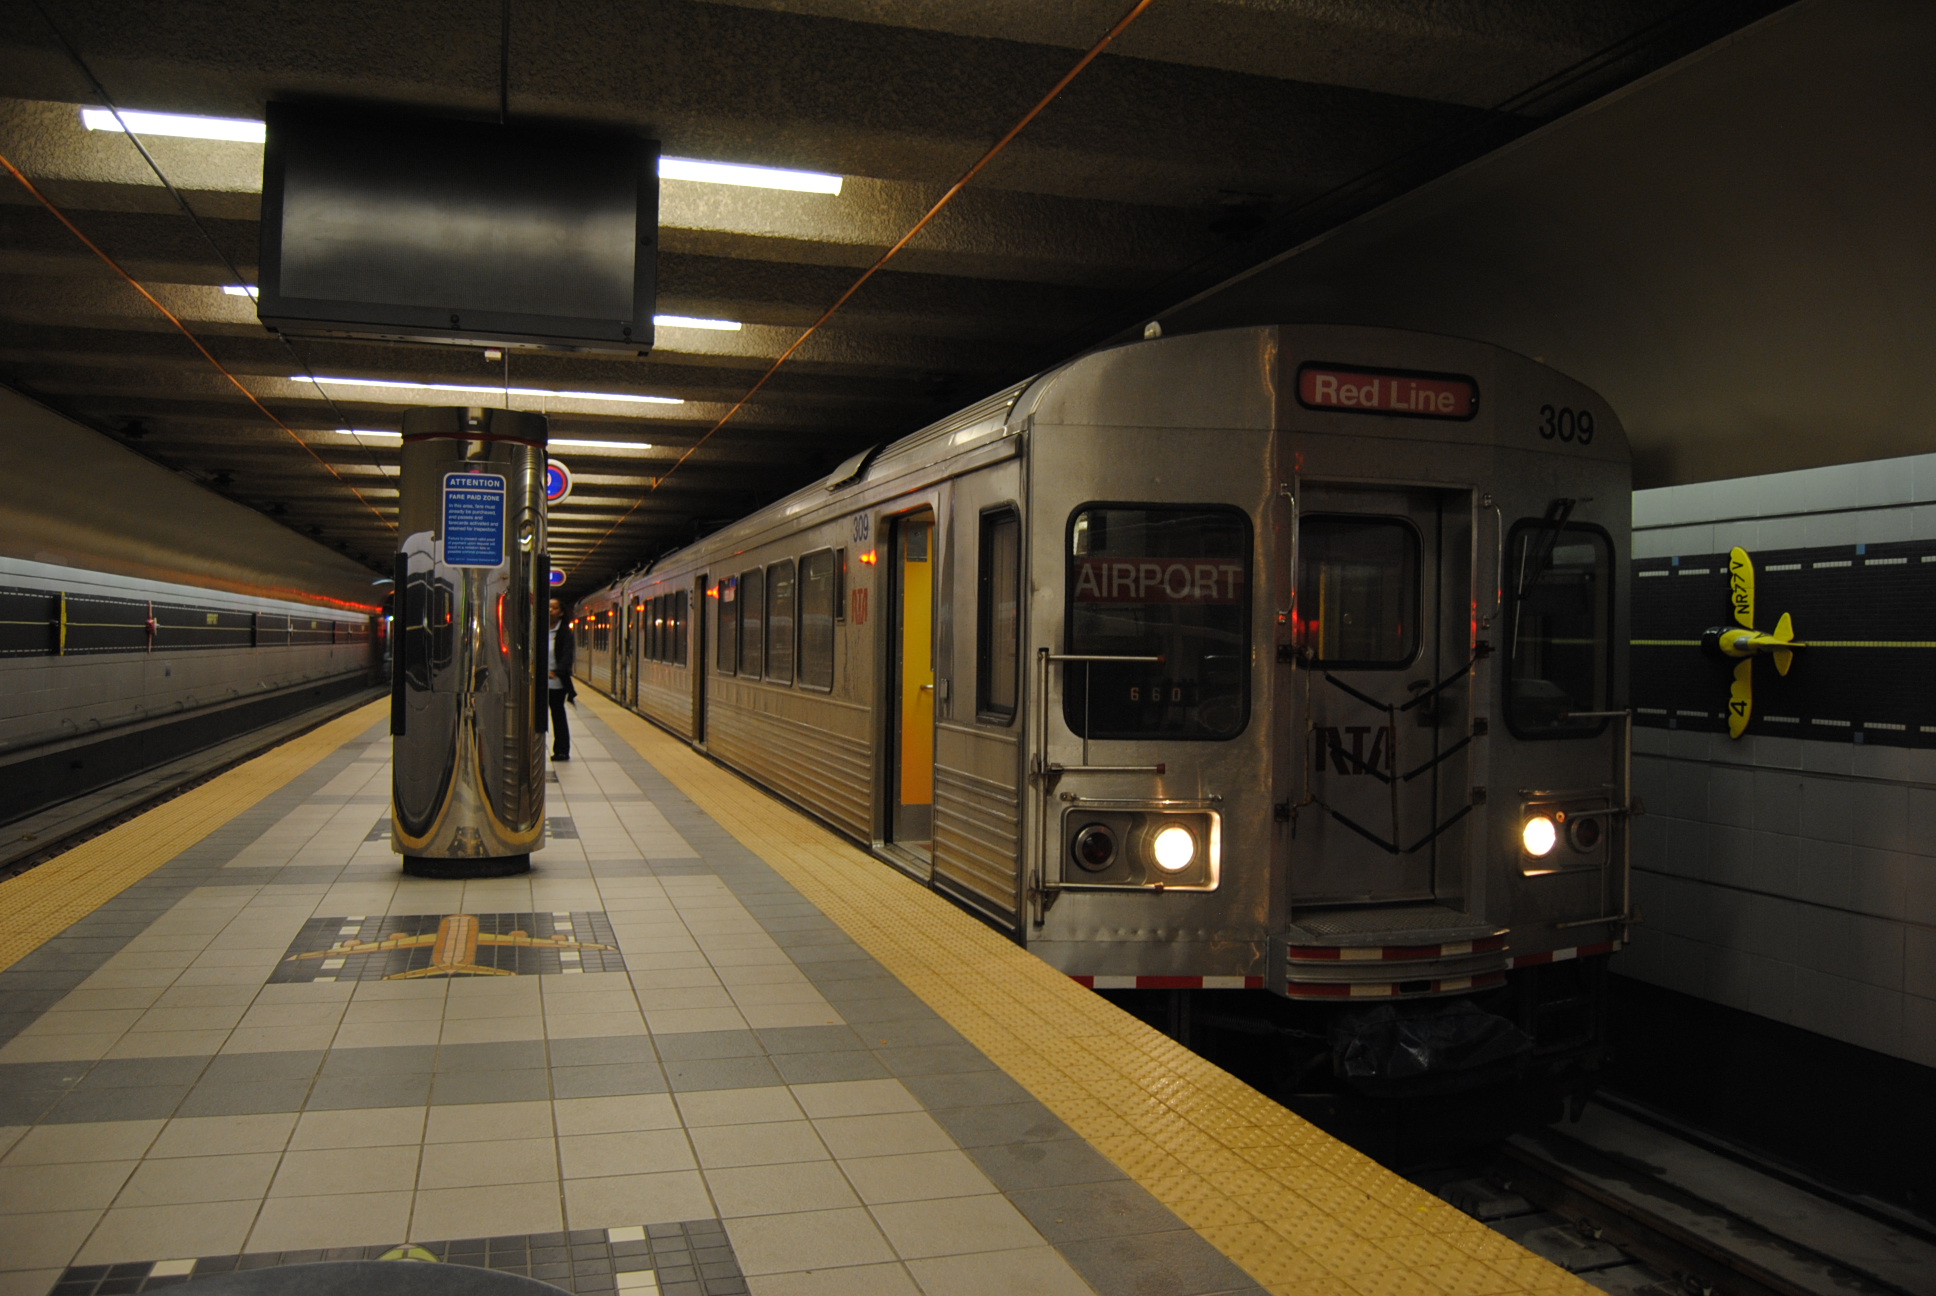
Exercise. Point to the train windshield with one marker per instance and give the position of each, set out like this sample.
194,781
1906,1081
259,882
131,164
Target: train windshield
1165,582
1561,585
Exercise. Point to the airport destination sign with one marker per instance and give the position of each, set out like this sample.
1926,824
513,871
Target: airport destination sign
473,519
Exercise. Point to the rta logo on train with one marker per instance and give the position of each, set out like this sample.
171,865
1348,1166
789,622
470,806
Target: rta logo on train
1157,580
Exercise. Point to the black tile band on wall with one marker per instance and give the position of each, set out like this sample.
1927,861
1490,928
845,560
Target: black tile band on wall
50,623
1867,614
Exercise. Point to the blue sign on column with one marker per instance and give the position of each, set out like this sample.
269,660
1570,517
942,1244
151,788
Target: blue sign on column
473,519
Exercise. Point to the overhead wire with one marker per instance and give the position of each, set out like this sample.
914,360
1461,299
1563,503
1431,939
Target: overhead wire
981,164
221,254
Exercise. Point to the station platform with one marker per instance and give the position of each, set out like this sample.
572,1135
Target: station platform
705,1047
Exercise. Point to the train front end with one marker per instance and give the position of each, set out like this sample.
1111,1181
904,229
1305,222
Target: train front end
1333,703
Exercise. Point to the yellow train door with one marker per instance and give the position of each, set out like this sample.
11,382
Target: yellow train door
913,638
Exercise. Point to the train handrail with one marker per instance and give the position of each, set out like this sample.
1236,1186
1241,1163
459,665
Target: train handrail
1628,807
1044,772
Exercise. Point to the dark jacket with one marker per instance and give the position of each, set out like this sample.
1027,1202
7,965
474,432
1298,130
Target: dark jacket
564,650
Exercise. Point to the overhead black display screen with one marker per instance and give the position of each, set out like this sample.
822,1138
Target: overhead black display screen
392,226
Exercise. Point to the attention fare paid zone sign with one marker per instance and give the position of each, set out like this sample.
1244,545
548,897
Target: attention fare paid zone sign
473,519
1387,391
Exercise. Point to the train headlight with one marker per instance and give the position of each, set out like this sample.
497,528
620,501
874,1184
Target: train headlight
1174,848
1095,848
1539,835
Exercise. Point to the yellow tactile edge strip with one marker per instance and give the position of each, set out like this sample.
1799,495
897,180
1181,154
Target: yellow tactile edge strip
1301,1212
43,902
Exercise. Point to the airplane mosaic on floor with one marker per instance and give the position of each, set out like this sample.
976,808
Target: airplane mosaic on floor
408,947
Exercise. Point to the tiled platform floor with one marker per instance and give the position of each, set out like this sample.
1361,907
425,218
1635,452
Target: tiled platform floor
160,1099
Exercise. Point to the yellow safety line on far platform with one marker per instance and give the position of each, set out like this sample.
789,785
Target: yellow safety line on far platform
45,901
1303,1213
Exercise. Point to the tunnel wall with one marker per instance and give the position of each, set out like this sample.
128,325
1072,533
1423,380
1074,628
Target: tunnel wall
1791,873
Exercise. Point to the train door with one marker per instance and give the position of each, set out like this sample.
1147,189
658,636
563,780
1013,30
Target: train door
696,657
911,632
1382,617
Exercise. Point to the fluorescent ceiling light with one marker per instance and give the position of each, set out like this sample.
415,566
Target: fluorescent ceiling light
620,446
688,321
491,390
178,124
369,434
757,177
239,290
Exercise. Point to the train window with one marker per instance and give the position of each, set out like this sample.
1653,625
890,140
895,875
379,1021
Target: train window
752,612
1164,581
727,636
819,601
780,595
998,615
1560,583
649,639
1358,591
679,635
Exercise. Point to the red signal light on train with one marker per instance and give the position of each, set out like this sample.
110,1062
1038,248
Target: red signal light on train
870,557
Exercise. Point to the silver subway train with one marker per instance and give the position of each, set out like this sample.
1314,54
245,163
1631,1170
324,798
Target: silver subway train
1279,658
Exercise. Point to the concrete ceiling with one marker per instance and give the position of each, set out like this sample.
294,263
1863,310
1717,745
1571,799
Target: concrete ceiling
1217,135
1737,253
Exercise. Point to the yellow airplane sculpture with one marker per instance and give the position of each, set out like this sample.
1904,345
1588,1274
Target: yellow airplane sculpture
453,948
1742,643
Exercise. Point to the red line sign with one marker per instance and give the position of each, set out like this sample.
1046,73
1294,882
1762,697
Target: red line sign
1387,391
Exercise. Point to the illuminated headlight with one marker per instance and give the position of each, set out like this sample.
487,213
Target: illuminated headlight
1174,848
1539,835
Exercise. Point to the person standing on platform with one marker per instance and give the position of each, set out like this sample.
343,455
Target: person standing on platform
563,650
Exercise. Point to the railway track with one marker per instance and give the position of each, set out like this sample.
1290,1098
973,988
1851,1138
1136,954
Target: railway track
1639,1207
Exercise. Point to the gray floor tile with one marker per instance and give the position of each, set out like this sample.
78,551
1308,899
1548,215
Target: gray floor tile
630,1049
912,1032
138,1102
395,1059
819,1068
1113,1208
607,1081
861,1012
503,1056
934,1059
810,1039
336,1093
967,1089
1025,1122
721,1073
241,1068
1173,1263
42,1075
248,1098
525,1085
25,1106
117,1073
1051,1163
708,1044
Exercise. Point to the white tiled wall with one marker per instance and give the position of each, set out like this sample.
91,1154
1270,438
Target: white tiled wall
1791,878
